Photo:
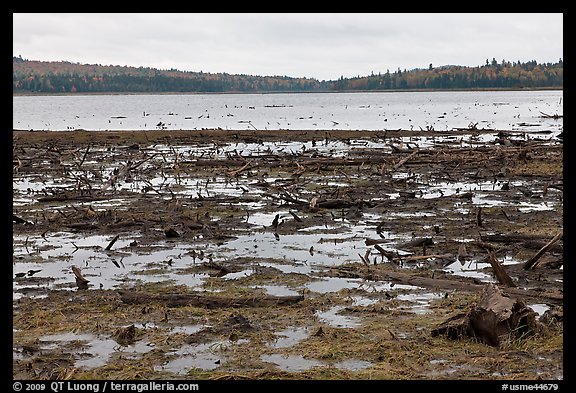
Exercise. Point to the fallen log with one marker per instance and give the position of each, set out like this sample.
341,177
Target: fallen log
335,204
19,220
423,241
390,255
537,245
371,242
246,166
178,300
403,161
440,284
72,197
493,320
509,237
532,262
413,258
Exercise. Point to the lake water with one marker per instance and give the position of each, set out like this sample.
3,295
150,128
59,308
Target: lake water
441,110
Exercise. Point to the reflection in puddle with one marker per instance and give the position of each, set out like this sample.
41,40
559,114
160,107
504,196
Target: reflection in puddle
474,268
99,349
332,284
238,275
335,284
334,319
539,308
290,337
291,362
207,356
296,248
277,290
363,301
187,329
421,301
55,254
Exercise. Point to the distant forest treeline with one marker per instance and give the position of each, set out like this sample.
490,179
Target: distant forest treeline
66,77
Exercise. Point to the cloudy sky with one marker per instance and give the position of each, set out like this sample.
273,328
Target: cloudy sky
315,45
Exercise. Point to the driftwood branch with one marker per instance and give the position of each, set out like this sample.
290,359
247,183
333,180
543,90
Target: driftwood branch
532,262
501,275
19,220
109,246
246,166
136,165
390,255
81,282
84,156
403,161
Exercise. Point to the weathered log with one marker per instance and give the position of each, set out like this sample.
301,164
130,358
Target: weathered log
298,219
19,220
176,300
494,319
371,242
413,258
71,197
479,216
402,161
246,166
532,262
171,232
441,284
390,255
109,246
335,204
407,194
81,282
509,237
538,244
423,241
499,272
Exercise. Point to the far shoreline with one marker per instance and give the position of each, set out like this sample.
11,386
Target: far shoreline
26,94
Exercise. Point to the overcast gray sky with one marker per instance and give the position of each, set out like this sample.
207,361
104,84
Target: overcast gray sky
315,45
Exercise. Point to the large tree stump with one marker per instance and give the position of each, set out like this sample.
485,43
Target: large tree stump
495,319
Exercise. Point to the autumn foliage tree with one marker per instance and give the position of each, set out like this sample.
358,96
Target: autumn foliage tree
67,77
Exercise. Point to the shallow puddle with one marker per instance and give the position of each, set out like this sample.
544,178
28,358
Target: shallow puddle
333,318
290,337
293,363
421,301
208,356
277,290
95,351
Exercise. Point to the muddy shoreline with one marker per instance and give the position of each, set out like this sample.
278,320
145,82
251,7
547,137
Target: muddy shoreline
280,254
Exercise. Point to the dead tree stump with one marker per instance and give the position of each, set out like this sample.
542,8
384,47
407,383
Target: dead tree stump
493,320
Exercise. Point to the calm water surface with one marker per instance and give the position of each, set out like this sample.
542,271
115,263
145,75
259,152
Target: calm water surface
506,110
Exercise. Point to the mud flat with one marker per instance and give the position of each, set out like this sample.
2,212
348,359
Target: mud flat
219,254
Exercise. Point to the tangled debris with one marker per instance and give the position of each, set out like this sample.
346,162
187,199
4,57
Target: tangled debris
353,247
